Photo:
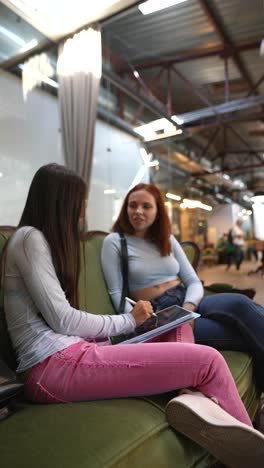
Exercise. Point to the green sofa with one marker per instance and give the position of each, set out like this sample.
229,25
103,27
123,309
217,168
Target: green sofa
121,433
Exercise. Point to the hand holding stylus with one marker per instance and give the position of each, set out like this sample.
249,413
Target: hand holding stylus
134,303
142,311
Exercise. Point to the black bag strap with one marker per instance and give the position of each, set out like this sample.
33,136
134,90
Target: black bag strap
124,269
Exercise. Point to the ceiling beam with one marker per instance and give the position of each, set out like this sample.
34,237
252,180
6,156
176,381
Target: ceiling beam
233,118
237,134
152,86
256,86
194,89
222,51
239,169
210,142
218,26
230,151
151,103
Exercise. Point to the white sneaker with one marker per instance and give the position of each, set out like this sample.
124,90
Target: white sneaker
233,443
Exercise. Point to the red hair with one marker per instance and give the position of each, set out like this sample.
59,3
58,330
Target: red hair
159,232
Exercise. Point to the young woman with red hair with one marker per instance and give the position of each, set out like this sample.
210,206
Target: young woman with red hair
155,256
159,271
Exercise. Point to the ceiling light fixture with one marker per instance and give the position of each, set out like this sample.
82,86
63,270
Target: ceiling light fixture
177,119
109,191
24,46
147,158
157,129
66,16
172,196
239,183
151,6
29,45
246,198
153,163
187,203
20,42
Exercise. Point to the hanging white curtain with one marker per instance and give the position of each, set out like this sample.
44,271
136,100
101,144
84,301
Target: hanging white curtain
79,71
258,211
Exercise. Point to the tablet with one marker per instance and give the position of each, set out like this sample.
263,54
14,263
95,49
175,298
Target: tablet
165,320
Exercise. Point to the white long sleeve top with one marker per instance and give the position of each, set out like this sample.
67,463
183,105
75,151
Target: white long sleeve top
238,236
39,318
146,267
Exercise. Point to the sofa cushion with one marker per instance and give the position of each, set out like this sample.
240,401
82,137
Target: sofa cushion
94,296
6,350
241,367
121,433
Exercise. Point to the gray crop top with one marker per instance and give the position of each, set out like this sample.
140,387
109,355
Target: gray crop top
147,267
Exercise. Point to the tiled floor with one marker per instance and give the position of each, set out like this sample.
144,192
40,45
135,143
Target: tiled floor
239,279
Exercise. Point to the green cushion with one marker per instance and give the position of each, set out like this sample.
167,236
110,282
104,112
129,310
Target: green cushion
240,365
94,296
6,350
220,287
189,252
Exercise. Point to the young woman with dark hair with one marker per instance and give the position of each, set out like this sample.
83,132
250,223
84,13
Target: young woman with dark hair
64,351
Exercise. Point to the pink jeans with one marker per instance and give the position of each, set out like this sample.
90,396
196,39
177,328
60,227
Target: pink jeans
90,371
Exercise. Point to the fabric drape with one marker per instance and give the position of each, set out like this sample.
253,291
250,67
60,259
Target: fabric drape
79,72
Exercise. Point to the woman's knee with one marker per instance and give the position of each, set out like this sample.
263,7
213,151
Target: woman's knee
224,303
211,354
214,354
218,363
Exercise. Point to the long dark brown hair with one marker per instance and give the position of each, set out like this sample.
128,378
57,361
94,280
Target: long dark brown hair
55,199
159,231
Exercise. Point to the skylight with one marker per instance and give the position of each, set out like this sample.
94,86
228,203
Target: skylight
60,17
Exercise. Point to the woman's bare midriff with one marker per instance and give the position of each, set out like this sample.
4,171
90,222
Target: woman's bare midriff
146,294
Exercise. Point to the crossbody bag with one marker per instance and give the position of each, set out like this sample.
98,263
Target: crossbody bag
124,269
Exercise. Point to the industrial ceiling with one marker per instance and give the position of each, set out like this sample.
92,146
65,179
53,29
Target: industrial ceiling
201,61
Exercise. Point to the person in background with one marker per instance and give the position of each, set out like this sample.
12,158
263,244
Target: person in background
238,242
251,248
221,247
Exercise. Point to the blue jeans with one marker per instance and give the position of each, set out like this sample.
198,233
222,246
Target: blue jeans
233,322
170,297
228,321
238,256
